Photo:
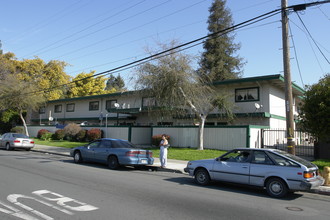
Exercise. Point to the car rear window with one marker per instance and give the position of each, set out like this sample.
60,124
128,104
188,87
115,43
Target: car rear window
295,158
122,144
20,136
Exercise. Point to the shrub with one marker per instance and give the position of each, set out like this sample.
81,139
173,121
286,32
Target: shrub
71,130
81,136
94,134
155,140
17,130
46,136
59,134
42,132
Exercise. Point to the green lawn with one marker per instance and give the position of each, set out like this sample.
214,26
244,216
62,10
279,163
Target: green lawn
173,153
189,153
321,163
55,143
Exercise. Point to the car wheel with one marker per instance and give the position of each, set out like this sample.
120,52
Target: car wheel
202,177
77,157
8,147
113,162
276,187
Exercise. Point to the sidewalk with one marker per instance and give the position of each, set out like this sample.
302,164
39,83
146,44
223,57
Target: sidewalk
172,165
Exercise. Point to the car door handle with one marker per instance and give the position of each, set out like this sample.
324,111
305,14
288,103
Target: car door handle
245,167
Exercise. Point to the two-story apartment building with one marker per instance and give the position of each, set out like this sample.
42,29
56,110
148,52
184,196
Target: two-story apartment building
257,101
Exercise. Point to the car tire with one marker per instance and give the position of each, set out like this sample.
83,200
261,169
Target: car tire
8,147
202,177
276,187
113,163
77,158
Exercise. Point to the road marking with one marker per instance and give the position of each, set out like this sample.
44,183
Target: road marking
15,212
61,200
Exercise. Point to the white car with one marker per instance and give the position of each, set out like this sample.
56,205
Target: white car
277,171
10,141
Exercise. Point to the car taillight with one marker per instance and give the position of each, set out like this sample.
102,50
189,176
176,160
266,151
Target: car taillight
150,153
134,153
31,142
308,175
17,141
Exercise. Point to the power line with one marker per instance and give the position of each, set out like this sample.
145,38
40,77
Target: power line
296,55
182,46
45,22
50,45
310,35
189,44
125,32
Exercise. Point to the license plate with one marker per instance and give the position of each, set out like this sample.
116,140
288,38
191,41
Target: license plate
143,161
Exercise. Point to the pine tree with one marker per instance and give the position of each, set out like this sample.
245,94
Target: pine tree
116,83
219,62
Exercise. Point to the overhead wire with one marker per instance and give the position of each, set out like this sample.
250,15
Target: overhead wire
112,47
86,35
45,22
311,46
196,41
125,32
189,44
310,35
296,55
76,26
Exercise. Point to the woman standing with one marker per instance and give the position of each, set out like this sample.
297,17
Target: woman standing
163,151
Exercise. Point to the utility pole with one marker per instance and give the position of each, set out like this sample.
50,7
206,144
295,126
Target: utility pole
287,79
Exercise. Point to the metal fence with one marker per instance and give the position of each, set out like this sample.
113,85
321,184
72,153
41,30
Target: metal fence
273,138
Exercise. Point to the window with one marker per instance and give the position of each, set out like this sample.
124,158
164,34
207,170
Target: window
70,107
94,144
93,106
122,144
42,110
58,108
110,104
240,156
148,102
247,94
260,157
283,161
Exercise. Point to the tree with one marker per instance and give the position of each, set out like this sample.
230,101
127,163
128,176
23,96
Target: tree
115,84
84,84
219,62
47,77
19,95
176,87
314,111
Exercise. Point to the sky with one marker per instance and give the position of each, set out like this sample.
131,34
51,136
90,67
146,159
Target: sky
101,35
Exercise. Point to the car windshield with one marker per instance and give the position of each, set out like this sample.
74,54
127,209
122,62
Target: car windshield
295,158
122,144
20,136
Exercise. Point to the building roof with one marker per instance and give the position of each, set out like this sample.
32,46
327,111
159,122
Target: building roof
276,80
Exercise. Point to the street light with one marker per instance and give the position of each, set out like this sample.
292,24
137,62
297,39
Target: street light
117,107
106,125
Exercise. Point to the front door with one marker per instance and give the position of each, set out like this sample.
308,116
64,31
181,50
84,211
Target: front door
233,167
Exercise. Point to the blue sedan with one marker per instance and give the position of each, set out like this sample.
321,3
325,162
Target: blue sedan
113,152
275,170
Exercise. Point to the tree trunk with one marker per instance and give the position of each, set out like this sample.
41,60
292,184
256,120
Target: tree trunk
201,132
24,123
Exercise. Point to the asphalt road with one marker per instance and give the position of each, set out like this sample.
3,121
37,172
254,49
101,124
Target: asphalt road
42,186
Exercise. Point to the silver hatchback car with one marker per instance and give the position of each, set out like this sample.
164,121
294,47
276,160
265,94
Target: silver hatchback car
10,141
277,171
